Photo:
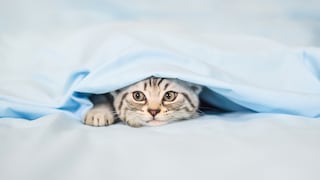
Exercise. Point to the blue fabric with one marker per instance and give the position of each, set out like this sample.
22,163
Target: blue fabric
240,72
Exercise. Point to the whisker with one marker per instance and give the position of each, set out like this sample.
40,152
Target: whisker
207,107
199,112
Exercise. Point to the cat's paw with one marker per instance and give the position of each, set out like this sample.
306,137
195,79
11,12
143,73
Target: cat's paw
135,124
99,117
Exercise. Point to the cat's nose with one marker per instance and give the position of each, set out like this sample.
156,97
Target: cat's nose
154,112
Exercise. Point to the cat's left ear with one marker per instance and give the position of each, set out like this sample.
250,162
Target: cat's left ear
115,93
196,88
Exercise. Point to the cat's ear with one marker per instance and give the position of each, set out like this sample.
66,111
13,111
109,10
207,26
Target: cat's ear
196,88
115,93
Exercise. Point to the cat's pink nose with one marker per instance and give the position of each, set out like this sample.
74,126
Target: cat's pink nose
154,112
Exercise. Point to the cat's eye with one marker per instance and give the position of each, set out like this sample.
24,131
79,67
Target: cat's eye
138,96
170,96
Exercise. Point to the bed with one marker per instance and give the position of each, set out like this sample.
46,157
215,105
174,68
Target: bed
258,61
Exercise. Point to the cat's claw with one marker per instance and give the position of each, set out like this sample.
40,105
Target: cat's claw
98,118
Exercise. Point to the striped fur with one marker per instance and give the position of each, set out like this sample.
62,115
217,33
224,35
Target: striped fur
151,102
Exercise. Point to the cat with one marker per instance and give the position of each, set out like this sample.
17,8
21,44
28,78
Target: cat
150,102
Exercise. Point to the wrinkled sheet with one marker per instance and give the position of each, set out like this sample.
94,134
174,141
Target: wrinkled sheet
258,59
242,146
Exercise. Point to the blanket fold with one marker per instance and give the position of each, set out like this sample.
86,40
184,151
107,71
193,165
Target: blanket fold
240,73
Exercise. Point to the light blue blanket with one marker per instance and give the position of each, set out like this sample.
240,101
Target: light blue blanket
240,72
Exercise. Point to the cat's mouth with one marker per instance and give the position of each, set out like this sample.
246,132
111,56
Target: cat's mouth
154,122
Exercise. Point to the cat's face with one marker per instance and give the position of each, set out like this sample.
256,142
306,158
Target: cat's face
157,101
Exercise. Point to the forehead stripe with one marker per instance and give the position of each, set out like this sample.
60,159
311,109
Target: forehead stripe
166,86
154,82
122,98
145,86
161,79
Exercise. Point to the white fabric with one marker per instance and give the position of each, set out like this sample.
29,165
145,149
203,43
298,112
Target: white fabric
232,146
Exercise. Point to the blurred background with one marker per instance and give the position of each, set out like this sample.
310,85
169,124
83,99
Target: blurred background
292,22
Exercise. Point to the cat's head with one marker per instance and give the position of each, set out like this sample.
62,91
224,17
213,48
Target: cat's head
157,101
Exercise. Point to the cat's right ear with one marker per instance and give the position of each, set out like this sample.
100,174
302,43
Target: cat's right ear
196,88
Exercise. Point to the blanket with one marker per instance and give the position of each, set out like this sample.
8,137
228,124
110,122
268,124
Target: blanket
240,73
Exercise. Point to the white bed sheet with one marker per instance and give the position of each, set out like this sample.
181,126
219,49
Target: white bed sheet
230,146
